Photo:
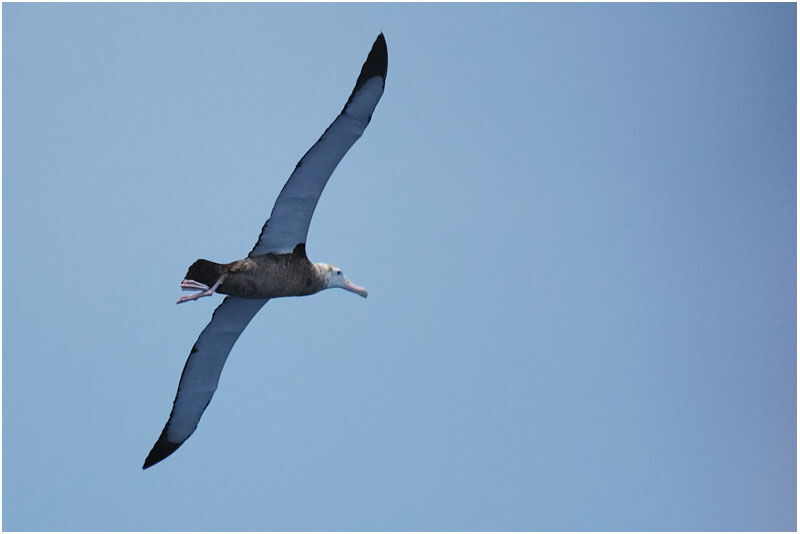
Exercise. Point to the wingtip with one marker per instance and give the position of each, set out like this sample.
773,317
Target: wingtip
379,56
377,62
160,450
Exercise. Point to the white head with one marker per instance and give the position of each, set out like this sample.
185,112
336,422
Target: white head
334,278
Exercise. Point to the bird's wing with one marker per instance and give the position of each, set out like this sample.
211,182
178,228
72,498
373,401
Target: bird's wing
288,224
201,373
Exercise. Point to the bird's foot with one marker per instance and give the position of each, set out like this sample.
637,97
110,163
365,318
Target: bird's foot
188,285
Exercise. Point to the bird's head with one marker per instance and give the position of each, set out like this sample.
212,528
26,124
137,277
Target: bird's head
335,278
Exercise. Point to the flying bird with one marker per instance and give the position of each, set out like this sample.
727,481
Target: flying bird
276,267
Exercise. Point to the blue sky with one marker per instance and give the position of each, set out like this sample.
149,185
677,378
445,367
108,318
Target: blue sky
576,224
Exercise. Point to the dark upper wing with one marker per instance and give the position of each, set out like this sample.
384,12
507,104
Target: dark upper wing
201,373
291,215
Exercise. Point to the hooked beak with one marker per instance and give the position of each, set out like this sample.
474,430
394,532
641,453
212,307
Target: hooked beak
358,290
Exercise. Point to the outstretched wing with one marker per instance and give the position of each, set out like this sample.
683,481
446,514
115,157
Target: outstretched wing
201,373
288,224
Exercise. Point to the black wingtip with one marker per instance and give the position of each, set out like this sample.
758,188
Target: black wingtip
376,64
160,450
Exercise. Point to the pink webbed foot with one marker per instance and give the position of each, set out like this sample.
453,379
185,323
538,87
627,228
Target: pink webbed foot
188,285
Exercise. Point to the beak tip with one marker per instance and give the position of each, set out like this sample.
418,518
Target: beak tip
358,290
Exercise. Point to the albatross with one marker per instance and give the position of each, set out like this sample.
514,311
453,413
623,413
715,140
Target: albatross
276,267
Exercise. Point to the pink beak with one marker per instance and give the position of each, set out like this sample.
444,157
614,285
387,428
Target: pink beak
358,290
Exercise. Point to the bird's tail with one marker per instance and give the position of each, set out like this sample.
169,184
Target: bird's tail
206,272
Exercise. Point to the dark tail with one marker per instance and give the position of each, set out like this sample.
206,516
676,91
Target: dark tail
204,271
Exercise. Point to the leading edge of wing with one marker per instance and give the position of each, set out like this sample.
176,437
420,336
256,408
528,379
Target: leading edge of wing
201,373
291,214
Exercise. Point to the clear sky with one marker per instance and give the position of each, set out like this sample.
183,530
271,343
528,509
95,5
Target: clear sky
576,224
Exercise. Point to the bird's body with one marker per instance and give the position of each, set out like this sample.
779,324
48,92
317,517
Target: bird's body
276,267
266,276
